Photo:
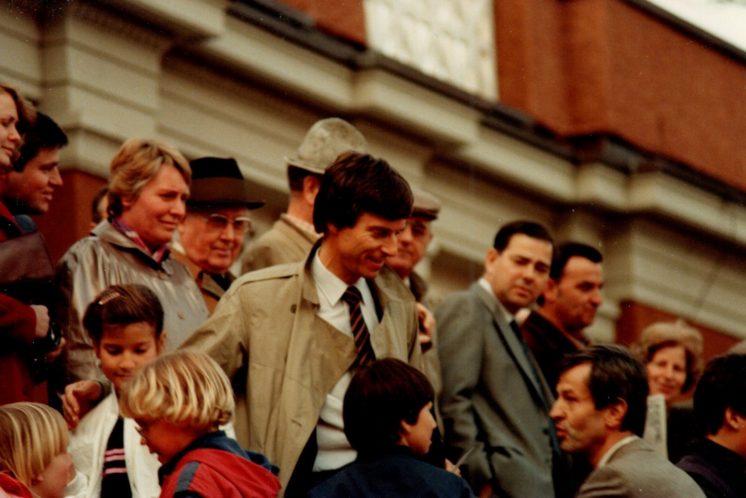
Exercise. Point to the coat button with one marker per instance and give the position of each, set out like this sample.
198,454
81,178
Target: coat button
293,308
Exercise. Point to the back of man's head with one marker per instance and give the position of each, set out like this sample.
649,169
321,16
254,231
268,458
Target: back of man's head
567,250
528,228
615,375
722,386
359,183
45,134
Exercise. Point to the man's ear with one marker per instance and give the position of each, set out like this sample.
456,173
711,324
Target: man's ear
550,291
490,257
160,344
614,414
733,420
405,430
311,185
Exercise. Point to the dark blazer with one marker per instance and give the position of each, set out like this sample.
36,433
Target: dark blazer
494,398
636,470
720,472
397,474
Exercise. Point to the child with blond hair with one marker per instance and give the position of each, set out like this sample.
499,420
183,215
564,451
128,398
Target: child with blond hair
179,401
125,324
33,452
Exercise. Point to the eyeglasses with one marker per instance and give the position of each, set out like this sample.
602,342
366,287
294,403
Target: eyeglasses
218,222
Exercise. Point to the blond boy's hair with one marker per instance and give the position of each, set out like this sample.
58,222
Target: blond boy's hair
185,388
31,435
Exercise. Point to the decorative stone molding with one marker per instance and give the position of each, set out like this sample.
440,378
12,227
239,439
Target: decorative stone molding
452,40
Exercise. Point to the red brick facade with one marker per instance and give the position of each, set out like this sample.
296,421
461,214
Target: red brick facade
606,66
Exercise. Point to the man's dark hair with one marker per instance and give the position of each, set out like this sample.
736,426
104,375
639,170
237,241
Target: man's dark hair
378,399
123,305
568,250
722,386
360,183
45,134
616,374
529,228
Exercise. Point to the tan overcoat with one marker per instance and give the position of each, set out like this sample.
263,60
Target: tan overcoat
285,242
283,359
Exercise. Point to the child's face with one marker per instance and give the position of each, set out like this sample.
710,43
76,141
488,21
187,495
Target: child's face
164,438
418,436
55,476
125,348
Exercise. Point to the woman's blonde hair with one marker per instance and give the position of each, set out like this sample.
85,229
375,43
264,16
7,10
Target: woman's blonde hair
659,335
135,164
31,435
185,388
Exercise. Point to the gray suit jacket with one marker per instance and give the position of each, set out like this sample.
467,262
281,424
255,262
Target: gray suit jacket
636,470
492,398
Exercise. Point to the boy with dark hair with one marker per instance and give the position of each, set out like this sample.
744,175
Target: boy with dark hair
717,462
388,420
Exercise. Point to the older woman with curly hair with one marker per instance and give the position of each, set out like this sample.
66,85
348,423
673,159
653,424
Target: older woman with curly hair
672,354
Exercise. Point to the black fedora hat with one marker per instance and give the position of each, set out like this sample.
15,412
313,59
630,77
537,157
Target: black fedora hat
217,181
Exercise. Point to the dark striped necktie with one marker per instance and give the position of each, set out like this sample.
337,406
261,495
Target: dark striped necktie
365,353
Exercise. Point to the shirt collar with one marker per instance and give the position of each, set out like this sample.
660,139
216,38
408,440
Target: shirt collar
509,317
610,452
330,286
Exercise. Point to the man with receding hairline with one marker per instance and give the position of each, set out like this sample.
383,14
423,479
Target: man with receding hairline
566,307
599,415
495,402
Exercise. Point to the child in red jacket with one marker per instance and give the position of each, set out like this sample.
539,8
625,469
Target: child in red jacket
178,402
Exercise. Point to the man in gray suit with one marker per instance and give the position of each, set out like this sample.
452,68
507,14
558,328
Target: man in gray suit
600,414
495,402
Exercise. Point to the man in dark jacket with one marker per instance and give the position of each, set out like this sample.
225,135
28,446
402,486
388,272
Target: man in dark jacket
718,462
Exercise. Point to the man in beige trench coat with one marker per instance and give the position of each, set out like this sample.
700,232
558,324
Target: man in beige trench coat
283,334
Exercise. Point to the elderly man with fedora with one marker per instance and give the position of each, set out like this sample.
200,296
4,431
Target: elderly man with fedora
291,237
217,219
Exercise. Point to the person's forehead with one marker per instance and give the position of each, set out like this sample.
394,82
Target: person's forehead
529,246
227,211
576,379
419,220
581,267
372,221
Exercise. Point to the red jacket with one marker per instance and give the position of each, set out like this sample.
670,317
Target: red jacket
17,326
12,487
215,465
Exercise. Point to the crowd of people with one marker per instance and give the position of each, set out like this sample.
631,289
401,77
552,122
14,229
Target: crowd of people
325,369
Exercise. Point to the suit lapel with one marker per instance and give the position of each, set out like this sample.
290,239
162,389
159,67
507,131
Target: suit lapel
516,350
